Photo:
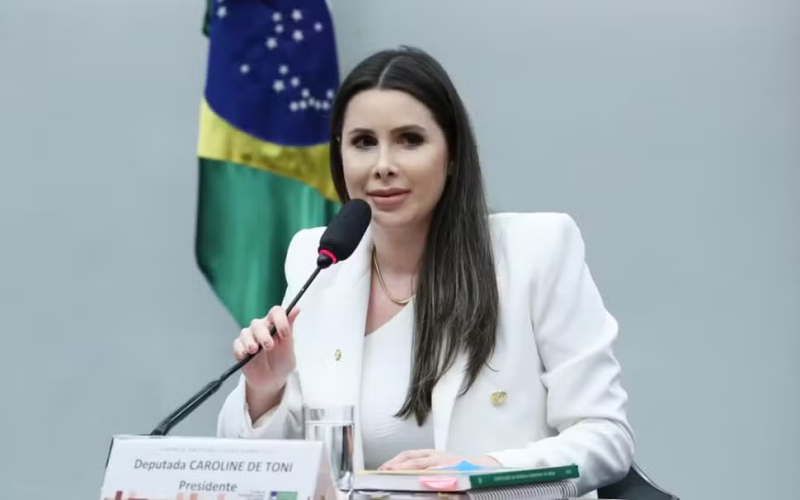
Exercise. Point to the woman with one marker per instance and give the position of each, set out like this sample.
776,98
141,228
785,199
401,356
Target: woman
457,334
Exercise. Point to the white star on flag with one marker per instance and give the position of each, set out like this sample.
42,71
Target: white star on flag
297,15
329,94
276,17
222,12
318,27
278,85
278,28
244,69
283,69
271,43
295,81
297,35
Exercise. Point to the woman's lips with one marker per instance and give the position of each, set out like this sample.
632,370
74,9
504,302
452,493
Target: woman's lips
388,199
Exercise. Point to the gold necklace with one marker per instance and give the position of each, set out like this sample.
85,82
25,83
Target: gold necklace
383,285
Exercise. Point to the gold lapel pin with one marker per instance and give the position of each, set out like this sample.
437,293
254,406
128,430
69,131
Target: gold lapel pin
499,398
337,355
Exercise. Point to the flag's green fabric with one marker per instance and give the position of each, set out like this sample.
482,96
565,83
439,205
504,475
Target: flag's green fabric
263,151
246,219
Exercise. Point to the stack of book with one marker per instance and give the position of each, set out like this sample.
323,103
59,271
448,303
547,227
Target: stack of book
468,482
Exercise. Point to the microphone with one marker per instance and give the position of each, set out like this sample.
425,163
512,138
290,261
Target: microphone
336,244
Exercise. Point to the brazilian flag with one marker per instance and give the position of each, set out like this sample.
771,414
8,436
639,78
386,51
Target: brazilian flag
272,73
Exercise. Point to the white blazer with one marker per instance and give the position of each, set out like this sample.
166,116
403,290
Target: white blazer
554,397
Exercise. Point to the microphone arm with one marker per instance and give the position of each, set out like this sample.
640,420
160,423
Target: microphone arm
186,409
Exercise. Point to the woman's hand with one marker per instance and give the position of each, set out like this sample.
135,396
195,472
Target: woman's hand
426,459
268,370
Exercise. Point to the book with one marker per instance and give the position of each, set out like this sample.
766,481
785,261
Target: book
463,478
559,490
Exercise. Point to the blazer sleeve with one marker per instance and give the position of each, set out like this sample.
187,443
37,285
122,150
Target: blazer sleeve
585,398
285,420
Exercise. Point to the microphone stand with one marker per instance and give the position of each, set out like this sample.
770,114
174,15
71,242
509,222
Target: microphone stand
186,409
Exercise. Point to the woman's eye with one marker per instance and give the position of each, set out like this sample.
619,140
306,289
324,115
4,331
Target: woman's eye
412,139
364,141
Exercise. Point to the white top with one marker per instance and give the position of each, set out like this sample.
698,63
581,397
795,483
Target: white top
384,382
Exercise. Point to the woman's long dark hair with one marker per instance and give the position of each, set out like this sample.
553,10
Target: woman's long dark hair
456,303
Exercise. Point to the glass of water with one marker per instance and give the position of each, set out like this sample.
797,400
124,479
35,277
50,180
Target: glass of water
334,425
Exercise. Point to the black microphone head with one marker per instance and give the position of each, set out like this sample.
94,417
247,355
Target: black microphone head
344,232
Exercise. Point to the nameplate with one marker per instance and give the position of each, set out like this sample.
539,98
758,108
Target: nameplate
189,468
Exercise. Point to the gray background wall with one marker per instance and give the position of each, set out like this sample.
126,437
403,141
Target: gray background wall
669,130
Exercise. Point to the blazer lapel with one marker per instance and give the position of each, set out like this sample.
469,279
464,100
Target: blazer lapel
346,300
443,400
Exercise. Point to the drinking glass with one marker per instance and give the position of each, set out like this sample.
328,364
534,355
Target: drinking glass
334,426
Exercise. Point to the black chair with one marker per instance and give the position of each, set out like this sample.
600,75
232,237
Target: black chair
635,486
